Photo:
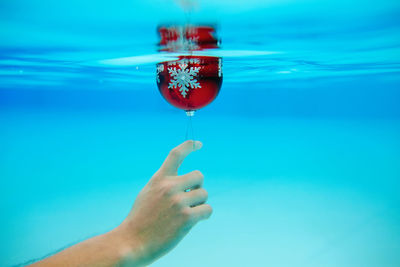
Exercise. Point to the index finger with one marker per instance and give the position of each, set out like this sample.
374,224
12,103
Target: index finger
177,155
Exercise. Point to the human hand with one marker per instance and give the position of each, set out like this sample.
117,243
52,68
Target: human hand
166,208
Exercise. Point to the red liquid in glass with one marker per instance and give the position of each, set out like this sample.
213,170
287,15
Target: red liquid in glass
190,83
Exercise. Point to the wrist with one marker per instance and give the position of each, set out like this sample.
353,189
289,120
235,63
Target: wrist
131,251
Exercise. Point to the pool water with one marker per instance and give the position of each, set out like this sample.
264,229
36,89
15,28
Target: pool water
301,151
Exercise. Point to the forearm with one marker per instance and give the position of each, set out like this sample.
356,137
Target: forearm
114,248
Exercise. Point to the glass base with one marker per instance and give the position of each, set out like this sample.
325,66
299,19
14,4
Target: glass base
190,113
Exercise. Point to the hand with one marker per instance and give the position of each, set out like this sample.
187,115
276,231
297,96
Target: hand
167,207
164,212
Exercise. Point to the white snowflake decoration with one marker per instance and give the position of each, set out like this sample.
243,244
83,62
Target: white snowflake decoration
160,68
182,44
184,78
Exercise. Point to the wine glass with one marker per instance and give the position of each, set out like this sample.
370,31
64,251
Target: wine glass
191,82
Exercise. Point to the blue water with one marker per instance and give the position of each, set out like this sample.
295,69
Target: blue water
301,148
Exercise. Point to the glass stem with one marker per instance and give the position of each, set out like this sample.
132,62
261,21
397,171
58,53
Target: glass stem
189,127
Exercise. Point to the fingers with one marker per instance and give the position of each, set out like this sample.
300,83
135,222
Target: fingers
177,155
201,212
191,180
195,197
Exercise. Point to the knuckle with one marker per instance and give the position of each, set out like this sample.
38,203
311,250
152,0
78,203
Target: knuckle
203,193
210,211
189,143
198,176
187,214
175,152
166,188
201,180
156,176
176,201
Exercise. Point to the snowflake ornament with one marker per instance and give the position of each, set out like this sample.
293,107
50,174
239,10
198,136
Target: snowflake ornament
160,68
182,44
184,78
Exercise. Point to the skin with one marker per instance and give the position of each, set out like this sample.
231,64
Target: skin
164,212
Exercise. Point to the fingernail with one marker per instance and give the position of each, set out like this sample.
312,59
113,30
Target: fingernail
197,144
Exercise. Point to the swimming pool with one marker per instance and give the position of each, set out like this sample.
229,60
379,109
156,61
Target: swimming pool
301,151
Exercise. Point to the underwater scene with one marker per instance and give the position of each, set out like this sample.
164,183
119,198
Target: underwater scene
296,103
